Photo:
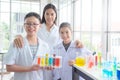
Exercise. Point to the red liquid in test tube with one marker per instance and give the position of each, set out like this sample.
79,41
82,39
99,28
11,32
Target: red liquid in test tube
96,60
38,60
57,62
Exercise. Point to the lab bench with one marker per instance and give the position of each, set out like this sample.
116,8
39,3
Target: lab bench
2,72
86,73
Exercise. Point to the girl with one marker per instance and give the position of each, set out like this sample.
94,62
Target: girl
67,50
22,61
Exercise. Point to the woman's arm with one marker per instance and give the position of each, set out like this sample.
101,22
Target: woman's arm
16,68
18,41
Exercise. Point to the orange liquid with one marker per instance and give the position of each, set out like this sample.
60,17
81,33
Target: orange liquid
80,61
38,60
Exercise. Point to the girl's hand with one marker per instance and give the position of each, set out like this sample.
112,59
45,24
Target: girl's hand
18,41
78,44
71,62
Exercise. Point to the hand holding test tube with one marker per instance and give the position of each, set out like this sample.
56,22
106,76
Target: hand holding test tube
49,62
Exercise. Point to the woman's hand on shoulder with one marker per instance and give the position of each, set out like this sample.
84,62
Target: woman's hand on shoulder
78,44
18,41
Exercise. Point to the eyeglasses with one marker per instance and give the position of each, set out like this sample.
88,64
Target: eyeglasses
31,24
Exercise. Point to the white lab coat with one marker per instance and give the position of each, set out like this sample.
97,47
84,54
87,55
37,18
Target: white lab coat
52,38
24,57
65,72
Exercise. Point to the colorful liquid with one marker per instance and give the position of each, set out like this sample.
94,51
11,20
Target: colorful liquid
90,64
118,74
107,73
38,60
107,69
50,61
57,62
80,61
42,61
45,61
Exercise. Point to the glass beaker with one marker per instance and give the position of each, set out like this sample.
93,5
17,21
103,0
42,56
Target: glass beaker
90,61
107,69
118,71
80,59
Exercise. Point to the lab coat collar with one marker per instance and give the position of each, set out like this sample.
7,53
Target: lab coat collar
52,28
72,45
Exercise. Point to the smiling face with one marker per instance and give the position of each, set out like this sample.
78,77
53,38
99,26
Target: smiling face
50,16
31,25
66,34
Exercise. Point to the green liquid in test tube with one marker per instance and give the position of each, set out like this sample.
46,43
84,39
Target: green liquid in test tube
99,60
46,60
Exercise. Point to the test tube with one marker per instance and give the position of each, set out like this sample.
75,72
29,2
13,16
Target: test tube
99,59
58,61
46,60
38,60
54,59
42,61
50,61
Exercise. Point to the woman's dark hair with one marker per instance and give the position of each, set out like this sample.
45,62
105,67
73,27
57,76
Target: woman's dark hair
65,24
30,14
49,6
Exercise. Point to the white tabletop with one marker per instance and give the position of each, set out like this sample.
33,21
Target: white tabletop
3,51
95,73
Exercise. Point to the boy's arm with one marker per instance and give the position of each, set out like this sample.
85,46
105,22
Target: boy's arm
16,68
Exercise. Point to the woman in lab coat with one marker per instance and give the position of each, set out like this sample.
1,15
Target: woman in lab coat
48,31
67,50
22,61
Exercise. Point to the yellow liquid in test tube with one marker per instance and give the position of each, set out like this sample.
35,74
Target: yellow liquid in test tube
80,61
42,61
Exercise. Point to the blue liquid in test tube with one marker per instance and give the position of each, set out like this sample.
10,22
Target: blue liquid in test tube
51,61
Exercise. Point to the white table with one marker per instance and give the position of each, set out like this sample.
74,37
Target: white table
87,74
2,65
